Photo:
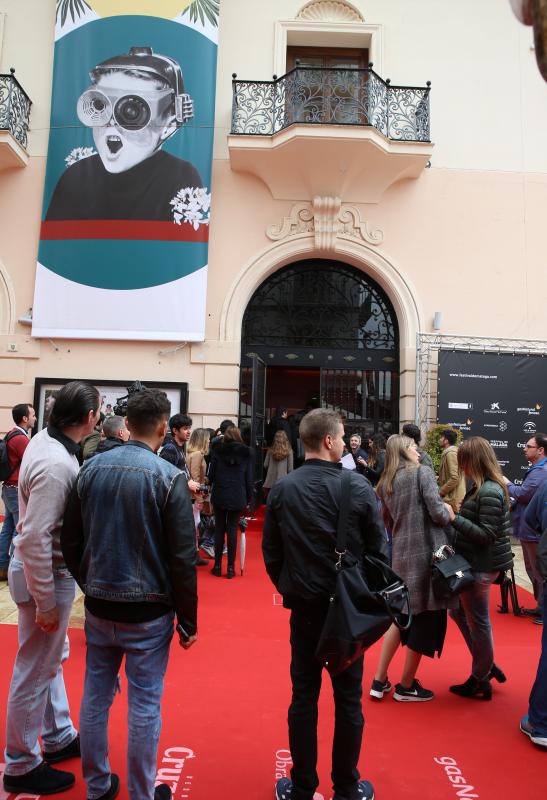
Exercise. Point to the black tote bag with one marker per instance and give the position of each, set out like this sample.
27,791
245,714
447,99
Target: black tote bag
368,597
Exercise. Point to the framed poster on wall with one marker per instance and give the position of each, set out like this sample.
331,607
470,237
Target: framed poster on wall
110,390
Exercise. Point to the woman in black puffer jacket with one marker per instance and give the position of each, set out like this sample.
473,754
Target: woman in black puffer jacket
230,474
482,526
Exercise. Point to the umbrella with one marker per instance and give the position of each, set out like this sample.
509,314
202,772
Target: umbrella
243,523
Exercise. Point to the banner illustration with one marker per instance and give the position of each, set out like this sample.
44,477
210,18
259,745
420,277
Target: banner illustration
125,224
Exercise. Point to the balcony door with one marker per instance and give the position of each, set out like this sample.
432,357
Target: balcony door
328,85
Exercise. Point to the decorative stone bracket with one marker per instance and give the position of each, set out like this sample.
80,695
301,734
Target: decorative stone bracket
328,220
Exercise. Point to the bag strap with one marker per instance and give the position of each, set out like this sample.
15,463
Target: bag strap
343,513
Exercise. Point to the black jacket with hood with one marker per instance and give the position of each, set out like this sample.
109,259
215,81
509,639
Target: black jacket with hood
230,474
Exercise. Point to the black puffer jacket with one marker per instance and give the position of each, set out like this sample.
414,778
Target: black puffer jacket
482,527
230,474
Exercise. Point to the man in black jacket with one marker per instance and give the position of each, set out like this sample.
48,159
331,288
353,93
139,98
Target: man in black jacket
128,539
299,552
534,724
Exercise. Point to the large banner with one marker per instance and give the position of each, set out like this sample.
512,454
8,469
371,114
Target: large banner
498,396
125,222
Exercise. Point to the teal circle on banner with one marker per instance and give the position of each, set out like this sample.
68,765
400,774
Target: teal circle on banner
127,264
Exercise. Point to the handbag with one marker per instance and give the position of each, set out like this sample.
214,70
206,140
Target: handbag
368,597
450,573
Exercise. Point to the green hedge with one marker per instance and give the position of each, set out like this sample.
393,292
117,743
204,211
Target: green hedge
432,444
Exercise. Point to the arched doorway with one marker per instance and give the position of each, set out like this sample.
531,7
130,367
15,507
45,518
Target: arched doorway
326,334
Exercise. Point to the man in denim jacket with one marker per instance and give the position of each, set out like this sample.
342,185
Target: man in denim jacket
129,540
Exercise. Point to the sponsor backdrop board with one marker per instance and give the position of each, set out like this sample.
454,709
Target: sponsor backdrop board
125,222
499,396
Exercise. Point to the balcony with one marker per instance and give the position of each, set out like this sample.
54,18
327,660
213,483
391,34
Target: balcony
14,122
338,132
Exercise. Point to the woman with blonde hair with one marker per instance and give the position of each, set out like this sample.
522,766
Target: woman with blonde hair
196,450
482,526
279,459
417,516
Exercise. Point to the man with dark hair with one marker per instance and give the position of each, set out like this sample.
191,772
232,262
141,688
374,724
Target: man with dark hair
534,724
129,540
279,422
413,432
16,440
451,483
180,427
535,451
115,434
299,544
43,589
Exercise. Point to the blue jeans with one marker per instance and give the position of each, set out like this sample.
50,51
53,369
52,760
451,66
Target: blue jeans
146,649
37,701
11,518
473,619
537,711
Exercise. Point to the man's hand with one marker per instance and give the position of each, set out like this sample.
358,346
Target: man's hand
450,511
48,621
193,485
186,645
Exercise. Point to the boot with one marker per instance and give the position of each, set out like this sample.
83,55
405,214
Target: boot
217,570
231,572
481,690
497,674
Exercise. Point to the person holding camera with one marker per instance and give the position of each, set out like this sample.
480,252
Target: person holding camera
230,474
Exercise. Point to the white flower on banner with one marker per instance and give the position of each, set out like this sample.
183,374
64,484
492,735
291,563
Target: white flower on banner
191,205
78,154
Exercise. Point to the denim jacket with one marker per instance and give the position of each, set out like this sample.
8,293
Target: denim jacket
128,532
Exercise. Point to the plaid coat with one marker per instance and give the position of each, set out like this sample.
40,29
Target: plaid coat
419,516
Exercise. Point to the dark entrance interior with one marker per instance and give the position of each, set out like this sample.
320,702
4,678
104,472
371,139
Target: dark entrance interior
321,332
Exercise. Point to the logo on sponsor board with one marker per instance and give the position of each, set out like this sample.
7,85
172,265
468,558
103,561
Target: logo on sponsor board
494,409
531,411
499,426
461,406
499,444
529,427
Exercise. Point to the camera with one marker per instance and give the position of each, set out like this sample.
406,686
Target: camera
120,409
203,489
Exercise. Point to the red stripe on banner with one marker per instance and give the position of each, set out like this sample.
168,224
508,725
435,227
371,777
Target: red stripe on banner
123,229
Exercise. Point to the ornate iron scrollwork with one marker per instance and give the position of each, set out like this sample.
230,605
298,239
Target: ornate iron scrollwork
312,95
14,109
320,304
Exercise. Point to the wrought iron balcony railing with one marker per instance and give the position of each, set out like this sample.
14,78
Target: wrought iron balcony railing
310,95
14,108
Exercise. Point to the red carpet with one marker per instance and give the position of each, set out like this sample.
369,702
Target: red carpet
225,706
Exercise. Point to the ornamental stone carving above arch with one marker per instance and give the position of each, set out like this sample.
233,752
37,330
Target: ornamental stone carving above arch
329,11
329,220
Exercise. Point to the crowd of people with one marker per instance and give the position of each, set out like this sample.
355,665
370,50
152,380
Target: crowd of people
89,502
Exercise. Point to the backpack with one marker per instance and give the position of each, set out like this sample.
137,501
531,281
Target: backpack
6,469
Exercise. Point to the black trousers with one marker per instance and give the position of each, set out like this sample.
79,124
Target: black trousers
306,673
226,523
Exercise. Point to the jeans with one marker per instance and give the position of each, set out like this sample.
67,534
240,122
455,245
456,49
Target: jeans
306,673
146,649
226,522
11,518
473,619
37,701
537,711
530,555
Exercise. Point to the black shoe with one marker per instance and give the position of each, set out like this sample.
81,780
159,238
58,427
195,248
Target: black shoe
114,788
72,750
497,674
231,572
43,779
379,688
202,562
481,690
531,612
365,791
217,572
538,621
413,694
163,792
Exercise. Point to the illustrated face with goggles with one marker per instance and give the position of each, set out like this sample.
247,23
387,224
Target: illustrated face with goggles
132,114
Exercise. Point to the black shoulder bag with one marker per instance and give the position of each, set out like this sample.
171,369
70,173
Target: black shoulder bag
368,597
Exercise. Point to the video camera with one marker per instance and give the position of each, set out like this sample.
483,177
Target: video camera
120,409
